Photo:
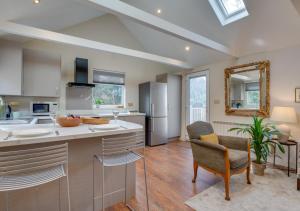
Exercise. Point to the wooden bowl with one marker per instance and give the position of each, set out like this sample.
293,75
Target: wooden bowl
68,121
94,120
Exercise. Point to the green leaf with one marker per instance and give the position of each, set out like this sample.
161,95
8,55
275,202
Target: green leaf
261,135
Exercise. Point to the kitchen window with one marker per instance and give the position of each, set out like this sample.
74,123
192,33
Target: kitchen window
109,91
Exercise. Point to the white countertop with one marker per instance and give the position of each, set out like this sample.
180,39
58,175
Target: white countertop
66,133
98,113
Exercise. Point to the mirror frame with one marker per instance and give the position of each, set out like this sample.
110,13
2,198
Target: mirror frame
264,68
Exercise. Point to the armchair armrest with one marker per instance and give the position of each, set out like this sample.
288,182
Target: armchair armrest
212,156
232,142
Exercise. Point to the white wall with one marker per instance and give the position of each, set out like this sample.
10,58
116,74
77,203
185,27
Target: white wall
107,29
285,77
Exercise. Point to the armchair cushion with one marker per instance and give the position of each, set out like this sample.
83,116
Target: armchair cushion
234,142
210,138
237,158
209,155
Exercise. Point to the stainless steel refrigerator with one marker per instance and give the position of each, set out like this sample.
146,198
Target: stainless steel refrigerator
153,102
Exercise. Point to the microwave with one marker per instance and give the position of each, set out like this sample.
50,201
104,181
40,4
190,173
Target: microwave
43,108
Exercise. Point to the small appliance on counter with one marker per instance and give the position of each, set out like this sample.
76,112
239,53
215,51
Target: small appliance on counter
43,108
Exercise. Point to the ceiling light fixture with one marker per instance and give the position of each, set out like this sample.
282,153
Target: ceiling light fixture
36,1
187,48
158,11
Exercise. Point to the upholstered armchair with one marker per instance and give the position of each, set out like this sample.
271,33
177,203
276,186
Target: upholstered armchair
231,156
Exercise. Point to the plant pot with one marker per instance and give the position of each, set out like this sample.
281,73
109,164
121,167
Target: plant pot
258,169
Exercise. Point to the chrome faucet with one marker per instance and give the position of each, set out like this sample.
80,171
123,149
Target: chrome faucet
8,112
5,109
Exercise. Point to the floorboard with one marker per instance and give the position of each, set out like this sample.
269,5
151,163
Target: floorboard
170,172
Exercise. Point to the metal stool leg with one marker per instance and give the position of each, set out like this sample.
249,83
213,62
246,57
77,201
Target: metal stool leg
289,151
296,158
59,194
146,186
126,182
68,192
102,184
94,183
126,204
6,201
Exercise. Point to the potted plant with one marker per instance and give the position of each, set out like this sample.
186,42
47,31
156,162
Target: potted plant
261,136
98,102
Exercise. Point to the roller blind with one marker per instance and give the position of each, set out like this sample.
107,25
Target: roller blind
252,86
108,77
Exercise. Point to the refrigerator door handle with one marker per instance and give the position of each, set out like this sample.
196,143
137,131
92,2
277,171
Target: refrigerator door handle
152,125
152,109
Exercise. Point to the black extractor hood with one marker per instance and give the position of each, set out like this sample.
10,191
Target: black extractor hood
81,73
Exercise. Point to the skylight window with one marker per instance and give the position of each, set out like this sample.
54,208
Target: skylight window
233,6
229,11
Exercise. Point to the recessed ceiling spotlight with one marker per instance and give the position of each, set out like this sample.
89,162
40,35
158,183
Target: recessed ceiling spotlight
187,48
158,11
36,1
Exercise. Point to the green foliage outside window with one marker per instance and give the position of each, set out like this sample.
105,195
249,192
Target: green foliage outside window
108,94
198,92
253,98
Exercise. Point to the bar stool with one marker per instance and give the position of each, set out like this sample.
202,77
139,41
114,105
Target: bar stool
119,151
33,167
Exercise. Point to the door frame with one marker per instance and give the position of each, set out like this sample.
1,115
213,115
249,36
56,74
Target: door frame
187,101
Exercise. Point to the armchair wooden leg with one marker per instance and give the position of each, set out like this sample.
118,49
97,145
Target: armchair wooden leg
249,165
227,187
195,171
248,175
227,176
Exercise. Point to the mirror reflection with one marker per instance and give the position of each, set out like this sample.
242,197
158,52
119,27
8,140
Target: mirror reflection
245,92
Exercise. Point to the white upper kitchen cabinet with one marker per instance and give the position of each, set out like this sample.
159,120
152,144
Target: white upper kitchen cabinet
41,74
10,68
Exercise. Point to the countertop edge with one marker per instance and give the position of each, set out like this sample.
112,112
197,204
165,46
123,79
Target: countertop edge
85,133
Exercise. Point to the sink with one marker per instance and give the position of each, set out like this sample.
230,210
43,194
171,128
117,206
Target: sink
13,122
44,121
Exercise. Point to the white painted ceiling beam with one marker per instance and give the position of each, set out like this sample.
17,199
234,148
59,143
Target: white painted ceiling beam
118,7
33,32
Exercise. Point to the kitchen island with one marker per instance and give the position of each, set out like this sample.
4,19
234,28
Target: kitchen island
83,145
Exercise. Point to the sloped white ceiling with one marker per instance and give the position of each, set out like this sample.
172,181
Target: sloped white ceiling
272,24
49,14
165,45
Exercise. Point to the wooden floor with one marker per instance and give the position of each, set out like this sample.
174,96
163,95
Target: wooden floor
170,175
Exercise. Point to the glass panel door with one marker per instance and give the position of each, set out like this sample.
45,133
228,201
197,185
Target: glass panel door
197,101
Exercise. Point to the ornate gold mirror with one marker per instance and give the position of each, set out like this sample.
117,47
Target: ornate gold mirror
247,89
